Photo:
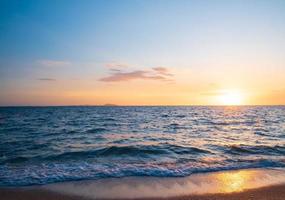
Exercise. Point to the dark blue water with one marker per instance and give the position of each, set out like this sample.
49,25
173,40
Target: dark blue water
40,145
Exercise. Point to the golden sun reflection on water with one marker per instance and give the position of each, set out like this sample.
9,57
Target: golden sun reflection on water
235,181
155,187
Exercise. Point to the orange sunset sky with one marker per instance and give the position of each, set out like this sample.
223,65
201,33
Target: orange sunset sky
142,53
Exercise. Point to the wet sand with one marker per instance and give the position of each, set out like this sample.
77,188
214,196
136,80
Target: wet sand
276,192
248,184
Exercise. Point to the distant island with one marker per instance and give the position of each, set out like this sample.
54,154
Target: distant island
110,104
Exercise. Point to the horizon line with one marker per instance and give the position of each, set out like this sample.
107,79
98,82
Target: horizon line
141,105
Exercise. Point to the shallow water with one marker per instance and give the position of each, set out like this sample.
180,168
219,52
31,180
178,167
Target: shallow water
40,145
154,187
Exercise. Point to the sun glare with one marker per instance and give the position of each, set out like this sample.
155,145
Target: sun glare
235,181
230,98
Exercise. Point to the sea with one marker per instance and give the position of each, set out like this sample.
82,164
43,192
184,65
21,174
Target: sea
42,145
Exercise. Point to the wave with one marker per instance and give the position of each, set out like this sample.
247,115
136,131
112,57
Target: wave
43,173
116,151
140,151
44,145
261,149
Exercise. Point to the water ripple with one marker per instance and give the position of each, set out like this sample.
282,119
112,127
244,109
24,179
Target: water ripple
40,145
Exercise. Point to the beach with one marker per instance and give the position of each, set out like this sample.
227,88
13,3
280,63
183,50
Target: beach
276,192
262,184
142,100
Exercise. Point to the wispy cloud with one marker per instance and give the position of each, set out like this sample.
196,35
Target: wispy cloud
46,79
54,63
158,73
116,65
162,70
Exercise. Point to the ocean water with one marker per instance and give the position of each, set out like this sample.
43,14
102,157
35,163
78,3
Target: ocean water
40,145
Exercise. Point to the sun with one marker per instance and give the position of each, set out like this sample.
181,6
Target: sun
230,97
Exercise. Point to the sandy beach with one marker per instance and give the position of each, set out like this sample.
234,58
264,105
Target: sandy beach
247,184
276,192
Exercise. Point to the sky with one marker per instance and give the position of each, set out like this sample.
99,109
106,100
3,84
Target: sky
142,52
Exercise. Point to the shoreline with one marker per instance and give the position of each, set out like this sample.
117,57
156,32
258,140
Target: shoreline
274,192
263,184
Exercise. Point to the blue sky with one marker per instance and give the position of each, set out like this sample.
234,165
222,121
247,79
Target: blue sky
69,40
